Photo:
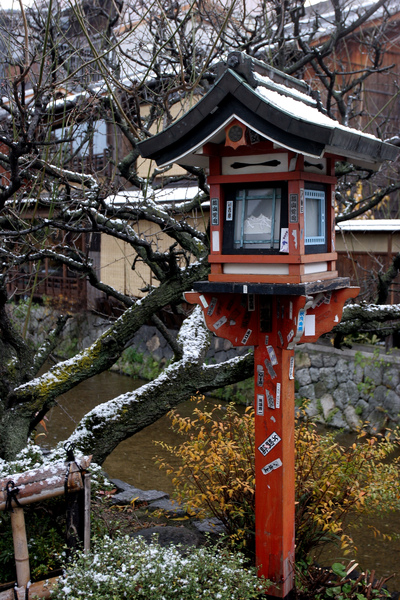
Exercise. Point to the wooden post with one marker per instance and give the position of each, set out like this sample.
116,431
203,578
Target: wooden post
274,466
20,546
86,533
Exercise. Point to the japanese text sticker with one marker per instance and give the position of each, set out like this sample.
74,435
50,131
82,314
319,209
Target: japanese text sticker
212,306
275,464
270,399
278,395
220,322
260,404
272,356
269,368
246,336
291,368
260,376
269,443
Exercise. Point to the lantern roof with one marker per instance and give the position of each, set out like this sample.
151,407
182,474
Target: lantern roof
276,106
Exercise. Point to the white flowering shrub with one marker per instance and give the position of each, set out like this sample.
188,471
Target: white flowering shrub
129,569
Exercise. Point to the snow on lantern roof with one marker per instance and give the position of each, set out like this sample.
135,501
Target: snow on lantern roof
274,105
367,225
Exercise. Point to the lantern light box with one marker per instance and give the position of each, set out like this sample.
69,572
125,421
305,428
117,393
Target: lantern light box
269,152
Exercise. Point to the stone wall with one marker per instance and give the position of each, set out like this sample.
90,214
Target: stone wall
346,388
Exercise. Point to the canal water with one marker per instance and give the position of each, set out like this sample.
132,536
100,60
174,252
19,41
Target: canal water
133,462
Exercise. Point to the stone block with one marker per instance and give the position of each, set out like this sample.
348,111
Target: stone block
365,408
307,392
352,418
212,525
320,389
358,374
170,507
301,360
342,370
392,404
377,420
227,346
316,359
312,409
130,492
153,344
346,393
337,420
327,376
220,356
391,377
373,373
329,360
378,397
327,405
314,374
303,377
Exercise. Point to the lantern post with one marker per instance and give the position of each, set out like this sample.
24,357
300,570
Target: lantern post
270,159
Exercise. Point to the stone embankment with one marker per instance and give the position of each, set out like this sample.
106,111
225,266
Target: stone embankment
346,388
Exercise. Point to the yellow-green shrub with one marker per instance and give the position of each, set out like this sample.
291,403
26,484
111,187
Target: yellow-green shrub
216,475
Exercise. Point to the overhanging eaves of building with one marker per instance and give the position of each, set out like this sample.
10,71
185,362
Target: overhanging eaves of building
291,123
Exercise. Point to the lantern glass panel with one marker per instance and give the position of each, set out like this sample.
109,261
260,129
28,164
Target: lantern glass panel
314,217
257,218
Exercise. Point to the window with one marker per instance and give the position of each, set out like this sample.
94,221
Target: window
87,145
314,219
254,216
257,218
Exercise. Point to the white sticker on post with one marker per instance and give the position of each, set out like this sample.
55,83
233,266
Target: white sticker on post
270,368
203,301
309,325
284,245
246,336
275,464
269,443
212,306
272,356
220,322
215,241
300,324
291,368
278,395
260,405
260,376
270,399
290,310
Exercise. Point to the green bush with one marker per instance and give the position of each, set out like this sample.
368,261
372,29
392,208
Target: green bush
130,569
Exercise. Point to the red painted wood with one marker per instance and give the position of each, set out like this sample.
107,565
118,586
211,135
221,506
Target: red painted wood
273,325
262,177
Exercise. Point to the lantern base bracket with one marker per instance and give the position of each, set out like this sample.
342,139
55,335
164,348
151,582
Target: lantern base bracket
272,289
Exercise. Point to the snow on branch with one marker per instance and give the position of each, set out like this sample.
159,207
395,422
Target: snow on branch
103,428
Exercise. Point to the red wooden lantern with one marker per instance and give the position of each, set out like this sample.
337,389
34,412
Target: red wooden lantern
270,155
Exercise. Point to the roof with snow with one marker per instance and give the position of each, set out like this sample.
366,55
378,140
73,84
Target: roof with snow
368,225
167,195
278,107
